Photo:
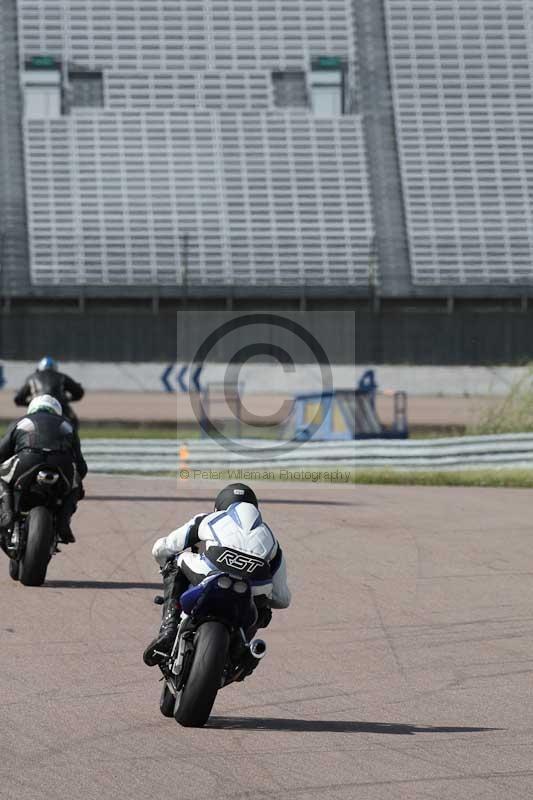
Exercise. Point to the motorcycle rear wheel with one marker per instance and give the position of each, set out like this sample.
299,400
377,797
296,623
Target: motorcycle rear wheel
194,703
38,547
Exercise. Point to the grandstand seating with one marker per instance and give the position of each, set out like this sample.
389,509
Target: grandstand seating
189,151
266,198
243,91
143,35
187,127
462,79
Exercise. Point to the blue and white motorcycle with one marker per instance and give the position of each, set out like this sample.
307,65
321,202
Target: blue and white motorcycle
213,647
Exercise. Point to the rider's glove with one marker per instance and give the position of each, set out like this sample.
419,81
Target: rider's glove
168,566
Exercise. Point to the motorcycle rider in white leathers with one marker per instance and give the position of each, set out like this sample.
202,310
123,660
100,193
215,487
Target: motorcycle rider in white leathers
233,539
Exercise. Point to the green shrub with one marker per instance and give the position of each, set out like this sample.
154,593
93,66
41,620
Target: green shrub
512,414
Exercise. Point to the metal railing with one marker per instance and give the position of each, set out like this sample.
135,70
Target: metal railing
147,456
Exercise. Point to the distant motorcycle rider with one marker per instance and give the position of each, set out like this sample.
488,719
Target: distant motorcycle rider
237,528
48,380
42,437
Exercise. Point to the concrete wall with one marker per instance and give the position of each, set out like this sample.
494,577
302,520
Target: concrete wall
269,378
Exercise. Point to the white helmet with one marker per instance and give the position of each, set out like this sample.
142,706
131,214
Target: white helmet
45,402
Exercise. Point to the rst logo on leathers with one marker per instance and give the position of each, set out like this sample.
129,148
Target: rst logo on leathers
239,561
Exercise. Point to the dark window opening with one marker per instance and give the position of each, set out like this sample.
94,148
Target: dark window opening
290,89
86,89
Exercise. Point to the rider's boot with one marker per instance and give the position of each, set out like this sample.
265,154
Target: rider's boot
6,506
65,513
160,647
174,584
246,665
65,534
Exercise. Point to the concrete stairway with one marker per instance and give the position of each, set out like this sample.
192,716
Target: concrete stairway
14,258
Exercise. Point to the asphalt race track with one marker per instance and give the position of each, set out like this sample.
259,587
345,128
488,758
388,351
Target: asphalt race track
402,670
169,408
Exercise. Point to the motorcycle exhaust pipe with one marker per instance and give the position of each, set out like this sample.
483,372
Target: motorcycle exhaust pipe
258,648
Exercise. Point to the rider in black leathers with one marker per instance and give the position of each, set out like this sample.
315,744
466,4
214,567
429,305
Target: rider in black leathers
46,437
48,380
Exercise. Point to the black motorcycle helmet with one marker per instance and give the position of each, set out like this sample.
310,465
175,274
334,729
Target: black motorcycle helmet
235,493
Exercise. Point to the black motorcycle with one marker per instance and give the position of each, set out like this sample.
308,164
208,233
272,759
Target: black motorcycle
213,647
31,540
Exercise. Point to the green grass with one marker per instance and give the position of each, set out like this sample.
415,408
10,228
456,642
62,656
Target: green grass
93,430
496,478
513,413
503,478
436,431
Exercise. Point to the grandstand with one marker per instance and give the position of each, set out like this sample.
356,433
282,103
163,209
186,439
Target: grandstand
462,79
184,138
375,155
254,206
